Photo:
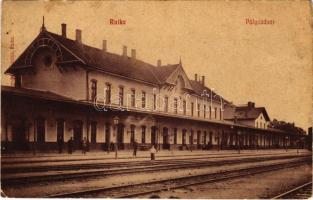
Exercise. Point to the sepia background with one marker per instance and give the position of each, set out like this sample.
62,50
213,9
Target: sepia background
268,64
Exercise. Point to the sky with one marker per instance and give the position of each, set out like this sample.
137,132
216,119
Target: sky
270,65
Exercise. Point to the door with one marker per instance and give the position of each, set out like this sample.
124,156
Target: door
198,138
40,127
166,144
78,134
107,136
60,129
19,133
191,138
93,127
120,136
132,134
153,135
184,137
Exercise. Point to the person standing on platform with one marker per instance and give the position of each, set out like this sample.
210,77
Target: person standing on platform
135,145
60,143
84,146
152,152
70,145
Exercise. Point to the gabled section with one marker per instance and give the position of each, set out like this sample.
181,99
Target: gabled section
246,112
172,75
43,40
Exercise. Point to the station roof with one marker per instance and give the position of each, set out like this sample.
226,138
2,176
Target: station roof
49,96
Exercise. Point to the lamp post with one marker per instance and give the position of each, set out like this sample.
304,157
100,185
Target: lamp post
115,120
239,141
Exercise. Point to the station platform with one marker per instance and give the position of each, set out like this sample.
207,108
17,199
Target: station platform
141,155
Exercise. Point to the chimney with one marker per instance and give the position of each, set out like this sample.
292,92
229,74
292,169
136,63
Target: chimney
104,45
63,29
251,104
79,35
203,79
133,52
159,63
124,50
196,77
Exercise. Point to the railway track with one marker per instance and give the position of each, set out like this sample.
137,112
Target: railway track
152,167
150,187
10,168
301,192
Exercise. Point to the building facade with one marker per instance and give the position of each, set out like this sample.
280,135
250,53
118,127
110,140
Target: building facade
64,88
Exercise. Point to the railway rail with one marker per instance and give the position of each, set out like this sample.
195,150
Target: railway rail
20,160
10,168
152,167
150,187
303,191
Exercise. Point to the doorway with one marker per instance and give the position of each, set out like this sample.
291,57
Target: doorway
166,144
184,137
153,135
78,133
120,136
19,133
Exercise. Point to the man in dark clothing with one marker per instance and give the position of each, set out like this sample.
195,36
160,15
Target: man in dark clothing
60,143
70,145
135,148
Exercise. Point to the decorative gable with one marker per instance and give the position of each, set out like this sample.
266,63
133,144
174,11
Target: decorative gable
42,41
178,78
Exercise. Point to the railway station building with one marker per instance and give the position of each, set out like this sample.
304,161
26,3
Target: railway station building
64,88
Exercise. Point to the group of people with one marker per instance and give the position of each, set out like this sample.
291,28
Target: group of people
70,145
152,150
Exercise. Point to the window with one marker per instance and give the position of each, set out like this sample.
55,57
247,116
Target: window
154,101
18,81
93,90
132,133
143,99
121,95
132,97
48,60
184,107
175,105
204,111
93,126
143,134
192,107
198,108
175,135
166,104
215,112
108,93
210,110
220,113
